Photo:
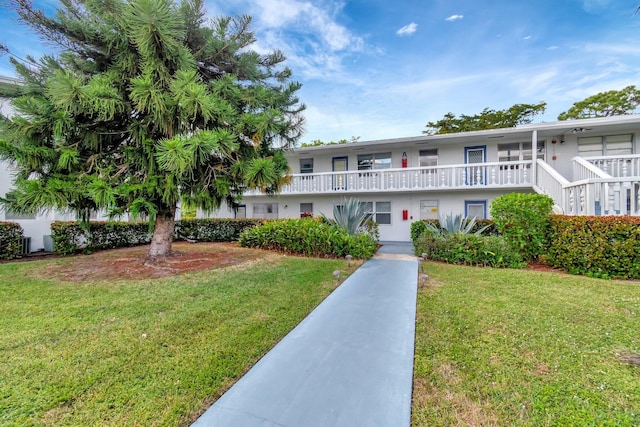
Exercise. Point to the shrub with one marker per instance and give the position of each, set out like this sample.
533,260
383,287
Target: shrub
419,227
523,219
310,237
350,215
212,229
468,249
604,246
455,224
71,237
10,240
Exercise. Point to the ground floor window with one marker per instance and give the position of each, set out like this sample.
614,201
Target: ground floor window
265,210
429,209
379,212
241,211
306,210
475,208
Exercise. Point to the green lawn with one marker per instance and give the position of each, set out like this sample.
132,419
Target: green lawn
148,352
523,348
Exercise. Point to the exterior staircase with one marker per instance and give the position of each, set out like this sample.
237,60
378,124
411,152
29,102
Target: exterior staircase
605,185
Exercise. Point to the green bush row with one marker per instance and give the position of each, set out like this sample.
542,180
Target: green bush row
213,229
310,237
419,227
523,220
71,237
469,249
603,246
10,240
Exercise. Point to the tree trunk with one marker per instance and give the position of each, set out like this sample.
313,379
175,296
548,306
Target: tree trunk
162,236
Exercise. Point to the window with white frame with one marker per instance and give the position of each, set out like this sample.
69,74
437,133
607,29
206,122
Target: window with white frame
306,210
374,161
13,216
306,165
379,212
429,157
519,151
475,208
265,210
611,145
428,209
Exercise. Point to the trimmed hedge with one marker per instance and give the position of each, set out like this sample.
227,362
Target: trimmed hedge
603,246
523,219
419,227
469,249
213,229
72,237
10,240
309,237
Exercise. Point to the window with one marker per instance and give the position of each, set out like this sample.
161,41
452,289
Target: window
12,216
475,208
428,209
428,158
306,210
374,161
379,212
306,165
519,151
612,145
241,211
265,210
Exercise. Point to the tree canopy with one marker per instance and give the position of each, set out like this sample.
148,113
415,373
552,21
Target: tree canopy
517,114
146,103
605,104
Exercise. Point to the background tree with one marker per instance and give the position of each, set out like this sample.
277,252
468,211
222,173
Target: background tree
143,106
517,114
605,104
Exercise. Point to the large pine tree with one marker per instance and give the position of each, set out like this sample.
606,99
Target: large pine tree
145,103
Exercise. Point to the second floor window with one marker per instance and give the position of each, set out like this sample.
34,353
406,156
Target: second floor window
612,145
519,151
306,165
374,161
428,158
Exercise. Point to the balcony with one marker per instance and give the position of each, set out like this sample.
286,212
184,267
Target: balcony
436,178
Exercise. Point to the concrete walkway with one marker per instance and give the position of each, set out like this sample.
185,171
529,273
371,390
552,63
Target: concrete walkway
349,363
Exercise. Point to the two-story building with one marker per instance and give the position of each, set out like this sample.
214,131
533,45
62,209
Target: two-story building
589,167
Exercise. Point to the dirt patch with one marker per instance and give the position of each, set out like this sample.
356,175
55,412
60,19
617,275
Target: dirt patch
129,263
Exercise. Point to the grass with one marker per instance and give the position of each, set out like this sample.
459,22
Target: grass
147,352
523,348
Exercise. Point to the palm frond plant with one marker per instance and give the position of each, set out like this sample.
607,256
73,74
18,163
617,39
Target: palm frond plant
349,214
454,224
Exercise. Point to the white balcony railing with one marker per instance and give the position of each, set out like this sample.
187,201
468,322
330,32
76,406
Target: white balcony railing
618,166
604,196
551,183
467,176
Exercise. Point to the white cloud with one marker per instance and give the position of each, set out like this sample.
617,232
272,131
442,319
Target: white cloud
454,18
554,47
307,18
527,38
407,30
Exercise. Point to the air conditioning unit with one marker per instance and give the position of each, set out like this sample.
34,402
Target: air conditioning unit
25,246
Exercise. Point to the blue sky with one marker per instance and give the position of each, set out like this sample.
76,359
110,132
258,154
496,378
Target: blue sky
382,69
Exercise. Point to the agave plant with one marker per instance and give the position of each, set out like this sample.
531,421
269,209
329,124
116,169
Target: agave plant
455,224
350,214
